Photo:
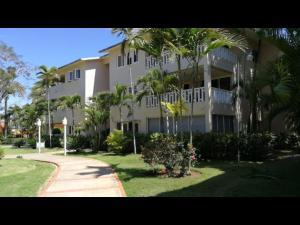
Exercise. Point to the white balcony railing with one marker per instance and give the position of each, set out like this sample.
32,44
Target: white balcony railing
221,96
218,96
222,57
152,101
151,62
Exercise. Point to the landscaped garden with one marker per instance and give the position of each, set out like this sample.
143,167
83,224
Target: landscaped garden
23,178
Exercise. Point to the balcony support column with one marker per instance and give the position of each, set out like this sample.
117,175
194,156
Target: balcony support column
207,90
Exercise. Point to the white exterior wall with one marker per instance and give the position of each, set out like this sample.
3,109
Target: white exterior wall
93,79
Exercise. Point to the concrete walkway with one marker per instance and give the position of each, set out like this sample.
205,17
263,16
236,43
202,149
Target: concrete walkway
79,177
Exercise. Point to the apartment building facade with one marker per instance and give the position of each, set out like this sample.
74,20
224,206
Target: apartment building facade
85,77
213,106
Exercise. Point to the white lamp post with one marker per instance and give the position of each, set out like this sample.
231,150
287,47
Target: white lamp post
39,123
65,122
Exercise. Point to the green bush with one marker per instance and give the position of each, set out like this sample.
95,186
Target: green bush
117,142
56,131
56,142
1,153
19,143
167,151
31,142
78,142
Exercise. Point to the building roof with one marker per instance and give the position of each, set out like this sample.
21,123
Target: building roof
112,46
83,59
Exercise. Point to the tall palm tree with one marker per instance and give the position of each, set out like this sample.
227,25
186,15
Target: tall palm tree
120,99
47,77
97,114
198,43
70,102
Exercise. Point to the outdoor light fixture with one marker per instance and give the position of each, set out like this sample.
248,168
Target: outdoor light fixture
65,122
250,56
39,123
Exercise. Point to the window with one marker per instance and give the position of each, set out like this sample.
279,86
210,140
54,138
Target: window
130,89
130,126
62,78
71,75
225,83
125,127
135,55
136,127
186,86
120,61
118,126
77,75
70,129
222,124
215,83
128,59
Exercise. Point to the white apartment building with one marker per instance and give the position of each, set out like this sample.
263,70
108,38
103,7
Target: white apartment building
85,77
213,107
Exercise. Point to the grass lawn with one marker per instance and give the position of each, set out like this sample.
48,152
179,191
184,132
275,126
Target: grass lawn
274,178
11,150
23,178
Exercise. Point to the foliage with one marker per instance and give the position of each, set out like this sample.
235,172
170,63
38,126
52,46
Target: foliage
167,151
56,131
56,141
31,142
78,142
19,143
1,153
117,141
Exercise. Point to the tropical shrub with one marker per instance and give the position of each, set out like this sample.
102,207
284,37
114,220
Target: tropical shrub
56,131
31,142
117,141
78,142
56,142
1,153
19,143
167,151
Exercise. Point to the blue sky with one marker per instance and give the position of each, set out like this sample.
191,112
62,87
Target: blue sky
54,47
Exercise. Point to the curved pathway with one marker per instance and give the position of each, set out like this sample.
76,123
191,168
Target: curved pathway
79,177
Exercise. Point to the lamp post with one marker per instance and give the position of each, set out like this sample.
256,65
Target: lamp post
39,123
65,122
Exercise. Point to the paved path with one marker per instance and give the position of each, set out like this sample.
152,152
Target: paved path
79,177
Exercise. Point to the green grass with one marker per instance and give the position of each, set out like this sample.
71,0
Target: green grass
12,150
276,178
23,178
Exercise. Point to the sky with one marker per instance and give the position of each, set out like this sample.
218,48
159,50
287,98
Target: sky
54,47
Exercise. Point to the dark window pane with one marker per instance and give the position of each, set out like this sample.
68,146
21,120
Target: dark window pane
220,124
136,127
215,123
215,83
125,127
186,86
130,126
227,123
225,83
119,126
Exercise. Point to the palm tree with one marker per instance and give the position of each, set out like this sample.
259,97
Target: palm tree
70,102
176,109
199,42
47,77
97,114
120,99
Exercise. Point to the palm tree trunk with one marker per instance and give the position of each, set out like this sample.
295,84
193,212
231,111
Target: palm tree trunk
174,126
161,120
49,117
180,95
121,119
73,121
192,106
5,117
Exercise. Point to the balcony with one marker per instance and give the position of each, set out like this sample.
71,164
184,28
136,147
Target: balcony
222,58
218,96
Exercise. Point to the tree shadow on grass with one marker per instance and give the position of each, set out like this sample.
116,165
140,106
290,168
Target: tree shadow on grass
248,180
126,174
